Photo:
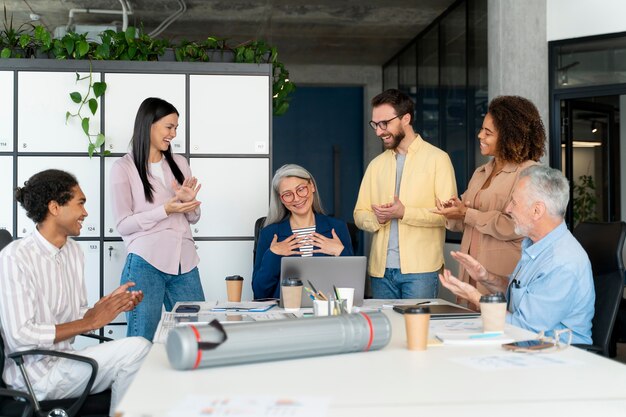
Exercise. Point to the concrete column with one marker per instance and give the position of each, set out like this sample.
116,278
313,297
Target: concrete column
518,51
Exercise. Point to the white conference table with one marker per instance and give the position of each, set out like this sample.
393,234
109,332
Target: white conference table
394,381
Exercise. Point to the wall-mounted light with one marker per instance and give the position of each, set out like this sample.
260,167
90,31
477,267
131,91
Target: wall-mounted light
594,127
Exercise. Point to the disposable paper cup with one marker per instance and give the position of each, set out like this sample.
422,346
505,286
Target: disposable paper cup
493,312
416,320
348,295
292,294
234,284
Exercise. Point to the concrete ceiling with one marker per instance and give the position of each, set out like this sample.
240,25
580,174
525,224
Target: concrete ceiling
359,32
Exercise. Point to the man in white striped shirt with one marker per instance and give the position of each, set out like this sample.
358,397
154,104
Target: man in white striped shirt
43,299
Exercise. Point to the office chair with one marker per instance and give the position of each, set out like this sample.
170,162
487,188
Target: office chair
94,405
5,238
258,225
353,230
604,243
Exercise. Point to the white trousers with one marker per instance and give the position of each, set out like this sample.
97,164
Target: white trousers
118,362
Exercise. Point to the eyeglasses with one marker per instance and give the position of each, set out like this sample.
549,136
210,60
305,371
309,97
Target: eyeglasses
545,343
382,124
289,196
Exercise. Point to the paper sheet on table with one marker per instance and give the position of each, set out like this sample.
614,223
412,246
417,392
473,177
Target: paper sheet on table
508,361
382,304
250,406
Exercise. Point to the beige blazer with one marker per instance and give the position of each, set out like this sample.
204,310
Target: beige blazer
498,247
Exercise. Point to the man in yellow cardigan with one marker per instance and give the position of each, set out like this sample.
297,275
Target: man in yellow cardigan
395,201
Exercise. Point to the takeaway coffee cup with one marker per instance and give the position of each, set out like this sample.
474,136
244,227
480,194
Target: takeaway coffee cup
234,283
416,320
291,289
493,312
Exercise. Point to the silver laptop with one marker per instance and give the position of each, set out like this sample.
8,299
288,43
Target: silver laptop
326,271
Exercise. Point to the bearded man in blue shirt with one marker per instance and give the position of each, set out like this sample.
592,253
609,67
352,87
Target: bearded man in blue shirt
551,287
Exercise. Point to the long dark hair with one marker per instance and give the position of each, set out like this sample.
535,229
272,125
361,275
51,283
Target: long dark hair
151,110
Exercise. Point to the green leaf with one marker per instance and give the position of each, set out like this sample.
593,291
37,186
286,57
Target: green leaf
67,116
24,40
93,105
130,34
90,149
82,49
77,77
107,152
6,53
281,109
99,88
68,43
85,124
76,97
99,140
132,50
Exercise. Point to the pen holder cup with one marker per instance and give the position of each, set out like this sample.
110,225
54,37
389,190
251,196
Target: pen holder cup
329,308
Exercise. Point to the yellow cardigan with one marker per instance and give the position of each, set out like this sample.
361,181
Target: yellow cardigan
427,174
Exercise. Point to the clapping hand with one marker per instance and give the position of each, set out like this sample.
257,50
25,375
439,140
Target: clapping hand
329,246
453,209
386,212
188,190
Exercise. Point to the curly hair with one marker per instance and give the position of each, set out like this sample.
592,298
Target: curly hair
521,134
41,189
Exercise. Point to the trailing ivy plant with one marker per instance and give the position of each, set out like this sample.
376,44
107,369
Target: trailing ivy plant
89,99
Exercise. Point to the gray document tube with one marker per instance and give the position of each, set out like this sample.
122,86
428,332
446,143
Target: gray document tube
277,339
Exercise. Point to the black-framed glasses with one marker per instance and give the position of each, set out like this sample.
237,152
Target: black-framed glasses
382,124
301,191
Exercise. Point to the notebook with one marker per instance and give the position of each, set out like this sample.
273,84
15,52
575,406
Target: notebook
442,311
326,271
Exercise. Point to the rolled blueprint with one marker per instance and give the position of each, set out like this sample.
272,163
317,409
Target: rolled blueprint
276,339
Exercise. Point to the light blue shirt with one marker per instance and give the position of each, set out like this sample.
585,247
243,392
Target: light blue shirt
551,287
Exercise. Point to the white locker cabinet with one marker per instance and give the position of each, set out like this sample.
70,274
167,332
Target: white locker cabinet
114,260
109,219
125,92
6,193
6,111
233,195
87,172
115,331
218,259
43,101
229,114
91,249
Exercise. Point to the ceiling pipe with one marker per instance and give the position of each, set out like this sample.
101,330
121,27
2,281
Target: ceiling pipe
126,10
169,20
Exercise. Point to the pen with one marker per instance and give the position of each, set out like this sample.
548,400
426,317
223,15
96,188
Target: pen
312,294
423,302
336,292
312,286
485,335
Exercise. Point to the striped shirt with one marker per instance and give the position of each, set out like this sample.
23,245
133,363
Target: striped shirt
40,286
305,233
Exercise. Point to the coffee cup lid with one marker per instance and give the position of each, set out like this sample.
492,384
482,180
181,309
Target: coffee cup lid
417,310
234,278
493,298
292,282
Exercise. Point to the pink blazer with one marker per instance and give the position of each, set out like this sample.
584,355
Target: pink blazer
163,241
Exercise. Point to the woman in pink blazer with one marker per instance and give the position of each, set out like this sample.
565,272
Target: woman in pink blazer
514,136
154,201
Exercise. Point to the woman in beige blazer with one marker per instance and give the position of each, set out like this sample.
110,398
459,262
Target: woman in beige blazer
514,136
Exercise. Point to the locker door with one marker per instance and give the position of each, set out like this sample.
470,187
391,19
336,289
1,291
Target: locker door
86,171
109,219
114,259
91,249
115,331
230,114
220,259
6,193
43,101
6,111
234,194
125,92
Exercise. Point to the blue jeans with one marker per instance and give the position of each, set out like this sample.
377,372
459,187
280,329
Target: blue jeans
395,285
158,288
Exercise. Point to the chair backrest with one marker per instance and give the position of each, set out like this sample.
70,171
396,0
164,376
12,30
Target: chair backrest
609,289
604,243
354,236
5,238
2,384
258,225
